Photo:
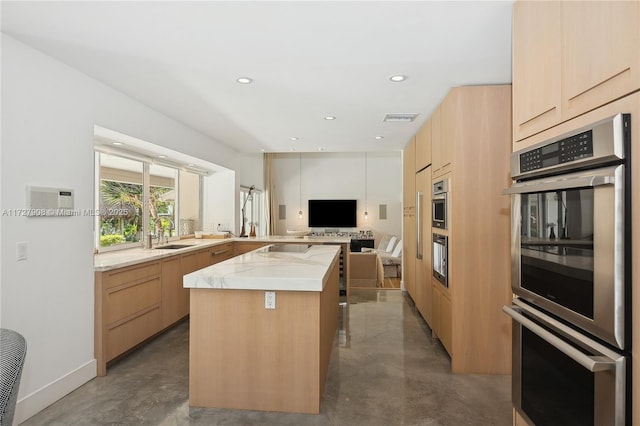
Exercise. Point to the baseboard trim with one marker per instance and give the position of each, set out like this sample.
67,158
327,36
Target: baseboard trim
37,401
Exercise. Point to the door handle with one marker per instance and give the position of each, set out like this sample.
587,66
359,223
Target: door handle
591,363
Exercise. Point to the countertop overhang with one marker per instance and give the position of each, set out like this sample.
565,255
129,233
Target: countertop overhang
263,269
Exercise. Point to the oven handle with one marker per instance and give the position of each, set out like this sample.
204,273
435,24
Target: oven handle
559,184
591,363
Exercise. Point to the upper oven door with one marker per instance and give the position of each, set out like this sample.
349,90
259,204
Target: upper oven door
568,248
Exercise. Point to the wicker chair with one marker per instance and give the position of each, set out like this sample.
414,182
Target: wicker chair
13,350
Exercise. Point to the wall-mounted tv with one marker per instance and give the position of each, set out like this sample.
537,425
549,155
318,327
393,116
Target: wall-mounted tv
333,213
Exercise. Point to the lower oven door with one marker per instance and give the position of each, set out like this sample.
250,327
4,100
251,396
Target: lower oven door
563,377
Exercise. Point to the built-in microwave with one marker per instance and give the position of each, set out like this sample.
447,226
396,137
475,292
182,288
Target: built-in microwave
440,254
439,204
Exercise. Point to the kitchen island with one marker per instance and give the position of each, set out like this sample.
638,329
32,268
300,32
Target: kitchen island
244,354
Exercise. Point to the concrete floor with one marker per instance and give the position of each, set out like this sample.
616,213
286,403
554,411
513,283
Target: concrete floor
385,369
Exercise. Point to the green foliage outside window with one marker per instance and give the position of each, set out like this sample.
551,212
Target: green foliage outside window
122,204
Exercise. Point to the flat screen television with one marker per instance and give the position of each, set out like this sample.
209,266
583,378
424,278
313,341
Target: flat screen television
333,213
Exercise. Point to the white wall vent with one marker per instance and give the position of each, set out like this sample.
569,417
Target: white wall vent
400,118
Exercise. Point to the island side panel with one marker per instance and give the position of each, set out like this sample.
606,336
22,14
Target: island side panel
243,356
329,307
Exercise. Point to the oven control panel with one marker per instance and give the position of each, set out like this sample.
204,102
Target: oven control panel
559,152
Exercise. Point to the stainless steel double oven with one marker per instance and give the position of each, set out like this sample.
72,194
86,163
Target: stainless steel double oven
571,271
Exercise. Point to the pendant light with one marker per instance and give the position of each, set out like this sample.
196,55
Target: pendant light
300,181
366,213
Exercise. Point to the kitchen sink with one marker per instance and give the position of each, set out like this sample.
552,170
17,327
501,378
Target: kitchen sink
173,246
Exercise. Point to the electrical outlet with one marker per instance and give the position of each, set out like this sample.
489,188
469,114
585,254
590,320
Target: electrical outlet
269,299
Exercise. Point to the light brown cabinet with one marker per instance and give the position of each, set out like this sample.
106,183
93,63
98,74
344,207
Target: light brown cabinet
245,247
409,175
471,145
570,58
536,67
218,253
409,253
409,218
175,298
423,260
128,309
423,147
440,139
600,53
136,302
442,314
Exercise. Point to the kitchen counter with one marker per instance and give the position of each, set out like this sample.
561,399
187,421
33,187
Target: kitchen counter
274,267
245,355
127,257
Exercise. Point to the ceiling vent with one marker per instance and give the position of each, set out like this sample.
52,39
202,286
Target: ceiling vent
399,118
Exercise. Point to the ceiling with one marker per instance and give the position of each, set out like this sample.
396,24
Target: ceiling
307,60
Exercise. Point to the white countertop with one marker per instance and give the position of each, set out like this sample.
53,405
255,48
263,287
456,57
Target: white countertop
268,270
127,257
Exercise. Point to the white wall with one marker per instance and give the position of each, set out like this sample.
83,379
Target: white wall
48,115
341,176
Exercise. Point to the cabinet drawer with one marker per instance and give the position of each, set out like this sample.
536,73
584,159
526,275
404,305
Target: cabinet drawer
125,301
127,335
130,274
221,253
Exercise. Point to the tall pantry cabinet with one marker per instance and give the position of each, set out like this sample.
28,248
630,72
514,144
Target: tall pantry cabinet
423,262
470,146
409,218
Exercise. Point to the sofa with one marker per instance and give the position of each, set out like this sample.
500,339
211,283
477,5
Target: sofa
370,267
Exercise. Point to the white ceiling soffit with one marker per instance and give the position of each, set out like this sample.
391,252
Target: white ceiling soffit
307,60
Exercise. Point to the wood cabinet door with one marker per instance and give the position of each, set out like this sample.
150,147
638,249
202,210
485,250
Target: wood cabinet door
409,175
423,265
423,146
436,315
443,131
221,253
450,121
436,142
537,61
409,254
600,53
203,258
175,298
446,317
442,315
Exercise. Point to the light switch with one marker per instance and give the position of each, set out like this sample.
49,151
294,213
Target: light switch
21,251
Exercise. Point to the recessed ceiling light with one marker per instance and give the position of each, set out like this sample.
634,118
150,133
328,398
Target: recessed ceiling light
379,137
244,80
294,138
320,149
398,78
263,150
117,143
162,156
293,149
329,117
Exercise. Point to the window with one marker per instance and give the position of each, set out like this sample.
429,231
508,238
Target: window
123,186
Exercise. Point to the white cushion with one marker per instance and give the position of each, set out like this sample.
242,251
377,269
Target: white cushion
398,251
392,243
384,243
